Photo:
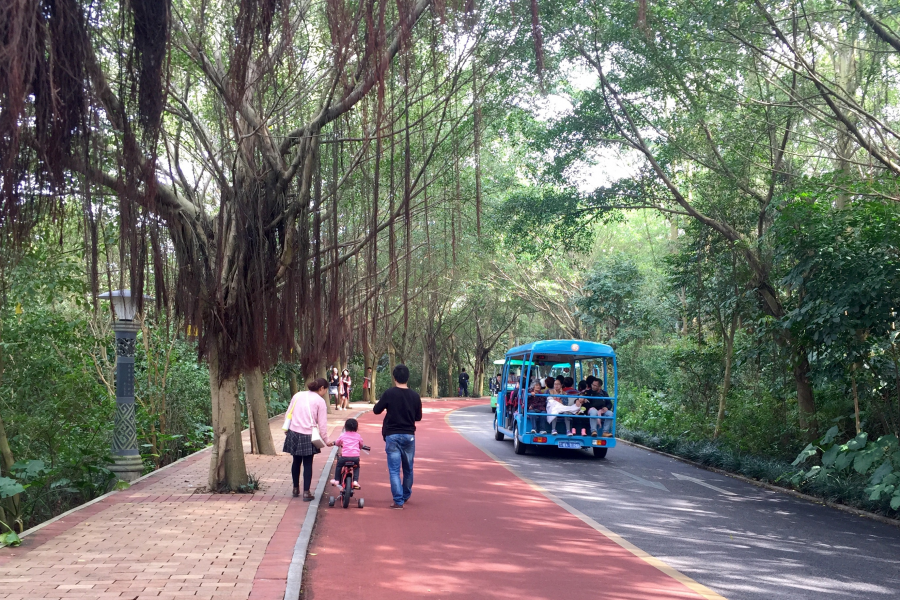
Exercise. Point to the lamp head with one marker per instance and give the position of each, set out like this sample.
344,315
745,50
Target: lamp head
123,303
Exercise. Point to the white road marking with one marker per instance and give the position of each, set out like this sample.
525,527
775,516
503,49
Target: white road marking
642,481
703,483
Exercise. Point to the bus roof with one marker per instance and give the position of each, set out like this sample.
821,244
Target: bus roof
512,362
567,347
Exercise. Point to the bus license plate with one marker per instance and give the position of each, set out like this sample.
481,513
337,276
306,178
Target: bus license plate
568,444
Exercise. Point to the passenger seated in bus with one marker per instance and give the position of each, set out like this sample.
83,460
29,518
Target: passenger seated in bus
569,386
536,404
548,384
512,404
599,406
555,407
554,386
582,386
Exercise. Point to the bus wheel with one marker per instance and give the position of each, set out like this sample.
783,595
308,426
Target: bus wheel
494,409
519,447
497,434
600,452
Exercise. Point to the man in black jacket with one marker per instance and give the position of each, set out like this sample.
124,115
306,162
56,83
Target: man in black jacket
464,384
404,408
598,406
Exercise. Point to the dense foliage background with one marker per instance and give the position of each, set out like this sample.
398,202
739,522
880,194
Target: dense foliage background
710,187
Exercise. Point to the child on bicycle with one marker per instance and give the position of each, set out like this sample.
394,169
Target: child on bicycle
351,443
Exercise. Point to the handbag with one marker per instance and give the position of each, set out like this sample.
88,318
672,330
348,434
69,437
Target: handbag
317,440
287,416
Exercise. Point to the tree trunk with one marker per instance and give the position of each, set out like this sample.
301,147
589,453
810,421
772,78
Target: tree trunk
312,370
477,147
258,413
844,59
369,363
452,381
251,430
227,470
293,384
805,399
392,356
426,367
435,384
855,398
726,383
372,398
478,371
6,455
10,508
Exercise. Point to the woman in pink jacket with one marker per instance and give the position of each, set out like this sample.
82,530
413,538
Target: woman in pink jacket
307,410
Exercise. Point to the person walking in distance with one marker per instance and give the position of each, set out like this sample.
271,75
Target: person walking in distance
334,382
344,385
463,384
404,408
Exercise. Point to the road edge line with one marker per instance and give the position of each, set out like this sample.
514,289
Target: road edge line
771,487
294,582
651,560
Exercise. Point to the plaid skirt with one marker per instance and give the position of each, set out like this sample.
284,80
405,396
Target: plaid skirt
299,444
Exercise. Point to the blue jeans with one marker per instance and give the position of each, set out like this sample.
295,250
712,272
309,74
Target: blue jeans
400,449
606,424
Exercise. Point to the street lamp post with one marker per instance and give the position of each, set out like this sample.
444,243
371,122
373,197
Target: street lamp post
127,464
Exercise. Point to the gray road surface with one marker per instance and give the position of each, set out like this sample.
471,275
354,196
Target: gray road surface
742,541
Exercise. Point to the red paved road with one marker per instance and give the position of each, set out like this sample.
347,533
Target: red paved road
471,529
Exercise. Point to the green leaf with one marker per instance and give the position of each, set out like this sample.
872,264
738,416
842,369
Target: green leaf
889,442
859,442
10,539
885,468
29,469
830,435
843,460
10,487
830,455
864,461
810,450
895,501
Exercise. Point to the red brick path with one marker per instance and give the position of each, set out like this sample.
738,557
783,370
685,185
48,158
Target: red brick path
159,539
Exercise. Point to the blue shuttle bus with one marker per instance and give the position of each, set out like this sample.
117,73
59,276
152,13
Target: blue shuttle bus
526,422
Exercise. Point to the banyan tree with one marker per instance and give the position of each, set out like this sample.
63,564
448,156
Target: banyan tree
213,131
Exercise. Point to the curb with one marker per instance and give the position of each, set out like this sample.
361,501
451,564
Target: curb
775,488
294,582
298,560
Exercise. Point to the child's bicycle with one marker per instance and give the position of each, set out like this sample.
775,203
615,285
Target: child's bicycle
347,483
